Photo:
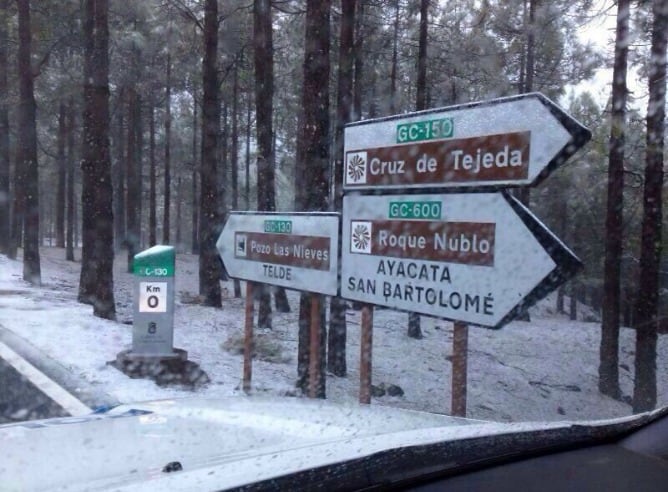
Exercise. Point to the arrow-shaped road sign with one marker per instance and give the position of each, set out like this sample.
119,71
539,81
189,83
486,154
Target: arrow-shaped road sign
480,258
513,141
293,250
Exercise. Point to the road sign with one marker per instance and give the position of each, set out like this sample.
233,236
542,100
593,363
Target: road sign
153,320
152,297
514,141
479,258
293,250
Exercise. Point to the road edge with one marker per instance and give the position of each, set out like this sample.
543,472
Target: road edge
42,370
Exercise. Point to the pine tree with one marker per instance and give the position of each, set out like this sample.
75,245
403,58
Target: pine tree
5,227
209,264
644,391
96,285
26,152
336,337
313,141
609,351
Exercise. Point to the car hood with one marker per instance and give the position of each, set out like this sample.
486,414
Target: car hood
213,444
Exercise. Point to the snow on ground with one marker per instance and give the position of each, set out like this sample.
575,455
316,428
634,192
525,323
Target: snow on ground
546,369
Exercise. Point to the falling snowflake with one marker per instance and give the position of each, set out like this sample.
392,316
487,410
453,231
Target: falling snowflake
356,168
361,237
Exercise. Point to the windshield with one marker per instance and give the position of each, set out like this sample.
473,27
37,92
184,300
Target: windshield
446,207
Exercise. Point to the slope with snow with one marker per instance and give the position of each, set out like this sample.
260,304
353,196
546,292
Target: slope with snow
546,369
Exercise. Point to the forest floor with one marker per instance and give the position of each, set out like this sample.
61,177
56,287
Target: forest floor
542,370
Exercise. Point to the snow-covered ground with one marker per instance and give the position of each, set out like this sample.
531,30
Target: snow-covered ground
546,369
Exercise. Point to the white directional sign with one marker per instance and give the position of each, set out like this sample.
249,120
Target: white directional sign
293,250
478,258
514,141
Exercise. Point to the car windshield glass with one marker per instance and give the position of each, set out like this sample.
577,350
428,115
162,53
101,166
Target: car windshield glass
311,220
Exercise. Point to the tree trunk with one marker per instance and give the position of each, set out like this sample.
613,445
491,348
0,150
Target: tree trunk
194,249
561,206
77,214
414,330
168,137
421,89
281,302
179,196
234,144
359,63
234,153
194,239
531,47
209,265
524,194
647,315
139,159
248,139
26,149
264,93
223,182
373,96
71,169
45,221
608,369
17,208
5,197
526,86
395,62
62,176
133,178
304,344
313,142
560,300
96,285
152,199
118,169
337,334
17,214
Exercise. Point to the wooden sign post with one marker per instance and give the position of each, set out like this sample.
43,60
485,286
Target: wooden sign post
366,351
293,250
248,339
460,340
473,258
314,357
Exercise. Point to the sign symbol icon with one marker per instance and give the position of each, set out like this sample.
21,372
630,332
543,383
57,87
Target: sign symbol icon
241,245
360,240
356,168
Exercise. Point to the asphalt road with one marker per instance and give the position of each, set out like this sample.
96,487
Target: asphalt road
20,400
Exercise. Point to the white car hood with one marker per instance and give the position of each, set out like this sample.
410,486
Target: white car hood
219,444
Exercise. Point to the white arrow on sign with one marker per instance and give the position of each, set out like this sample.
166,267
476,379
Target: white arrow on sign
513,141
479,258
293,250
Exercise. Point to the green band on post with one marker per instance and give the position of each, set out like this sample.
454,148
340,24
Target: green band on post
158,261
